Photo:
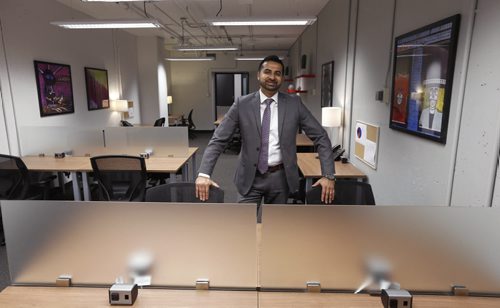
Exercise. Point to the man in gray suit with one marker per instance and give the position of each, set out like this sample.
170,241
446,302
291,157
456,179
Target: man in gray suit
268,122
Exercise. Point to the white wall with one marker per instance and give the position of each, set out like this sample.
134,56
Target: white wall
192,86
477,156
412,170
28,36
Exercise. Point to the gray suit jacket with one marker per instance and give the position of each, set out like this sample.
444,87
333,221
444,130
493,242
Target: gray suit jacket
245,115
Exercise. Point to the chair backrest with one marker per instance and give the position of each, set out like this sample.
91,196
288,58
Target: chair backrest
126,123
190,120
346,193
120,177
182,192
160,122
14,178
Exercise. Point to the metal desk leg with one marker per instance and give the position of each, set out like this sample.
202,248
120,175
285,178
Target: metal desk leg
193,166
76,189
173,177
185,170
60,178
86,189
309,182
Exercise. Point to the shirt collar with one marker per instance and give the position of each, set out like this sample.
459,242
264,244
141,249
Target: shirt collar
263,97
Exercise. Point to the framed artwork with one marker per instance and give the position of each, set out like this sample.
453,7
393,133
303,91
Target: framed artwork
327,84
424,62
55,91
96,81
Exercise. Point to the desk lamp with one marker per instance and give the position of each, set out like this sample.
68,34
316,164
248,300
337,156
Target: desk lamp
331,117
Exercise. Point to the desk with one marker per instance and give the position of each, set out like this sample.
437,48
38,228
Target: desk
314,300
98,297
303,141
82,164
174,119
310,167
219,119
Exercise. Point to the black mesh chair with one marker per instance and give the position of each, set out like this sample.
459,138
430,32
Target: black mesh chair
182,192
346,193
120,177
159,122
16,182
191,126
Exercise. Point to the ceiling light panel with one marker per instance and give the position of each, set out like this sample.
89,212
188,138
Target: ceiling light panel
185,59
207,48
108,24
300,21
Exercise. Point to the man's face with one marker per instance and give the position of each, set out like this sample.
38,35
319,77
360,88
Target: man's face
270,76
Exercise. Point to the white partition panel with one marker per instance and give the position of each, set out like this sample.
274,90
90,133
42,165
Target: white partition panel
56,139
425,249
163,141
95,242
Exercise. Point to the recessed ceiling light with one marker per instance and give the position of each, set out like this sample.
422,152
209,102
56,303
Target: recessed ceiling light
120,0
179,59
242,58
107,24
207,48
249,21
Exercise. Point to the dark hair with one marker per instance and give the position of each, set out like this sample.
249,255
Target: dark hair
273,58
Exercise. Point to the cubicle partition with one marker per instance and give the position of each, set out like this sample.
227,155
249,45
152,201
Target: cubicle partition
98,242
424,249
78,141
161,141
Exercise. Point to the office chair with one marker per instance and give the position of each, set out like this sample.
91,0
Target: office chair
120,177
191,126
126,123
346,193
182,192
17,183
159,122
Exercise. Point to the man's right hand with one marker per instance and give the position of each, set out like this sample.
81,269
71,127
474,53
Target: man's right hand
203,186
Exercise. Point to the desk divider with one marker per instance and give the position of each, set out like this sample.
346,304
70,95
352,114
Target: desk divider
163,141
56,139
426,249
93,241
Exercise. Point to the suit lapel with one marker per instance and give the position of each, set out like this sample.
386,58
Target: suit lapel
256,111
282,104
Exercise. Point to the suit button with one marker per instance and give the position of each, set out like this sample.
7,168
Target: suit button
258,148
255,165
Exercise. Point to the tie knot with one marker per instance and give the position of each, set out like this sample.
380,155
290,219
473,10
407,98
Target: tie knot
268,101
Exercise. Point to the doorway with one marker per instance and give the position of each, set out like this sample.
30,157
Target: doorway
228,87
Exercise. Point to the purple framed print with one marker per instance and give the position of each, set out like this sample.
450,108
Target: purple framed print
96,81
55,91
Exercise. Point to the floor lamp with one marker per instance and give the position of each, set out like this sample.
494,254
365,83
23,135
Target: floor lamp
331,118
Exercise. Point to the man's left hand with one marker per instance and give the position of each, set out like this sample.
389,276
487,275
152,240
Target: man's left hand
327,191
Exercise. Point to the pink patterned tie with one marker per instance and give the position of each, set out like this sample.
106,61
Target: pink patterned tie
264,137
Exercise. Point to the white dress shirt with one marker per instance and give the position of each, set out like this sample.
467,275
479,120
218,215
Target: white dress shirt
274,157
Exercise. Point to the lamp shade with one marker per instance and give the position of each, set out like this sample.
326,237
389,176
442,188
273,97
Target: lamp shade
169,99
119,105
331,116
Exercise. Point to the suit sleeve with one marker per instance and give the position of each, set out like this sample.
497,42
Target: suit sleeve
220,139
318,135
